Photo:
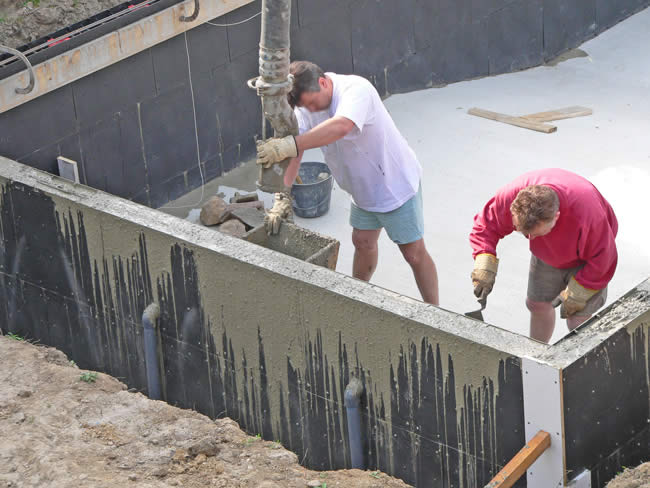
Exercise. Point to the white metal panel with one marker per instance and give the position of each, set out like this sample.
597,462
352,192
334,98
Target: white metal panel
543,411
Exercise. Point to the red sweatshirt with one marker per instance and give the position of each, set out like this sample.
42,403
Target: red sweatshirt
583,234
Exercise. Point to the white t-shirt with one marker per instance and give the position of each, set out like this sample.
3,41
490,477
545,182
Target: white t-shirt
373,163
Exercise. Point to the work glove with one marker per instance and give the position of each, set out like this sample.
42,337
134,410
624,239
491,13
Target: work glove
573,298
484,274
281,211
275,150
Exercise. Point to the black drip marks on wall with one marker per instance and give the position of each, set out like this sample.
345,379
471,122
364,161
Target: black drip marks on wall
52,291
605,415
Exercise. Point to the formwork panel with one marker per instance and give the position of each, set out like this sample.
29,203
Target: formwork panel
244,335
607,399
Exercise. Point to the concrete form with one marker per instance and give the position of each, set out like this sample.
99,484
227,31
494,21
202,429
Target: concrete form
268,339
272,341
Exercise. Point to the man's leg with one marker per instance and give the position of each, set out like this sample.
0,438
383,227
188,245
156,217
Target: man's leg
542,320
544,284
424,269
365,253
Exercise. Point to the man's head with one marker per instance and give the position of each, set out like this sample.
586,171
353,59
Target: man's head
311,88
535,211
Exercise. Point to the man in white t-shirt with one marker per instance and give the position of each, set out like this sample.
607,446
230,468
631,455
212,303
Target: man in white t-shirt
368,157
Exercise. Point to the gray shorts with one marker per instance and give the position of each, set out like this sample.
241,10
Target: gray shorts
546,282
403,225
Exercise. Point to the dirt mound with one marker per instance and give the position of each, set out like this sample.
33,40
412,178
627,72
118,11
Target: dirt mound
63,427
25,21
638,477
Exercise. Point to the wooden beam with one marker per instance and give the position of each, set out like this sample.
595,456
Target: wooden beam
518,465
562,113
508,119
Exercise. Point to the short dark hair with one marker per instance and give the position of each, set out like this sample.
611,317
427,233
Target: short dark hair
533,205
305,79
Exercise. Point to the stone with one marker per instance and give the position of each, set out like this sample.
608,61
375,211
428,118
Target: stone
233,227
283,455
206,446
18,418
252,217
267,484
245,197
47,15
314,484
213,211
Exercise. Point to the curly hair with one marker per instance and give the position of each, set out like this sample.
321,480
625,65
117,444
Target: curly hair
305,79
533,205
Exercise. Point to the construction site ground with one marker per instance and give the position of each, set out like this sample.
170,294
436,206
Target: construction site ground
25,21
64,427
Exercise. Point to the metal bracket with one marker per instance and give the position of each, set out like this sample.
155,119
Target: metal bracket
194,15
32,79
265,89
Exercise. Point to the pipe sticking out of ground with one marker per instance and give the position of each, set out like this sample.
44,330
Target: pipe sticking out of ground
352,400
149,323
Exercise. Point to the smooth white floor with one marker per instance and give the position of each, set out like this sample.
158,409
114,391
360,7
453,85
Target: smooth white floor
466,158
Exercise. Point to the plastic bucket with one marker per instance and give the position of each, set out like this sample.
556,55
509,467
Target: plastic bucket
312,197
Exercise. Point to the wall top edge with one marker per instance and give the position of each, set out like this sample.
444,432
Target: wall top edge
634,306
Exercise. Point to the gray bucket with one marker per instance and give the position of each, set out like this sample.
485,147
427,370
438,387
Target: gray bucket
312,198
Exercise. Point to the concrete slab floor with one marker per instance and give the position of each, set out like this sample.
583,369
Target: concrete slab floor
466,158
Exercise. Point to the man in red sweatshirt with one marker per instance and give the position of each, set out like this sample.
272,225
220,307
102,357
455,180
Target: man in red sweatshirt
571,229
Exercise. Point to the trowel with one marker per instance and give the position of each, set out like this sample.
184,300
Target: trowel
478,314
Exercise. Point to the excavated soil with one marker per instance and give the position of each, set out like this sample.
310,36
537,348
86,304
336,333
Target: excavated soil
24,21
638,477
63,427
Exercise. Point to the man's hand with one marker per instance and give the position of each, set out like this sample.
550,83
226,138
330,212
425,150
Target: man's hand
573,298
484,274
276,150
281,211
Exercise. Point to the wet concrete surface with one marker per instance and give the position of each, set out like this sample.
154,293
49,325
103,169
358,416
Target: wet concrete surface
466,159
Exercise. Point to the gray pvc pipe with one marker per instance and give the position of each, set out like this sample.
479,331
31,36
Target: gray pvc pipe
149,323
352,401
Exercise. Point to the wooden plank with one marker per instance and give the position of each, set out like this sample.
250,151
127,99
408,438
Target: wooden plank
517,121
562,113
518,465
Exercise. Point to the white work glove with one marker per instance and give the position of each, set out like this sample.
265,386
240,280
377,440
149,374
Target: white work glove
484,274
281,211
573,298
276,150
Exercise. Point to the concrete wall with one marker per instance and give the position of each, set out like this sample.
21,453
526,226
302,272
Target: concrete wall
272,342
141,127
258,336
607,397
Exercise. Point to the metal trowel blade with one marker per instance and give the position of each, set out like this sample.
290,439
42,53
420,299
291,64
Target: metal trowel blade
476,314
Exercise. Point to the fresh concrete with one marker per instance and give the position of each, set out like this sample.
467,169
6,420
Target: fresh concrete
466,159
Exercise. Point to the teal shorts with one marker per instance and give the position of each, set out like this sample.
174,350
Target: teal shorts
403,225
